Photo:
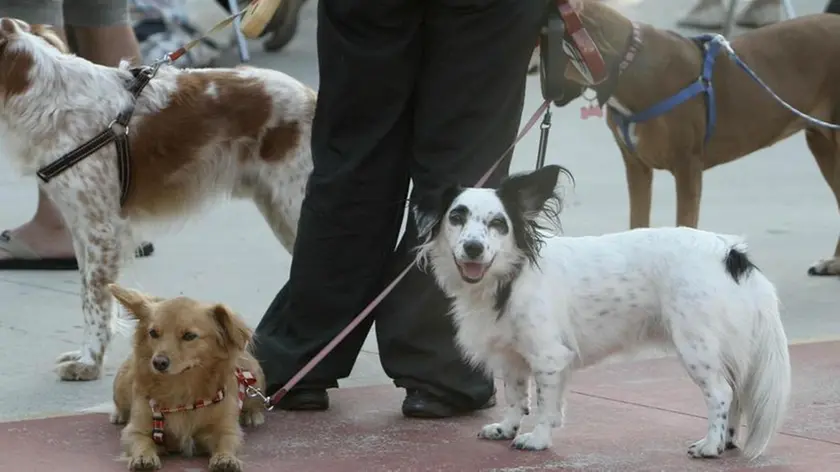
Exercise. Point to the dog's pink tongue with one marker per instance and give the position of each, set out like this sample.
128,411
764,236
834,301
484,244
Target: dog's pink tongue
472,270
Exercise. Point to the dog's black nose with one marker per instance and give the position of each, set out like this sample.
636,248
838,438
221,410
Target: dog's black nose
473,249
161,363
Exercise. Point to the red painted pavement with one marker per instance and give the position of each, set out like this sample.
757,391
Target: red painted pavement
638,416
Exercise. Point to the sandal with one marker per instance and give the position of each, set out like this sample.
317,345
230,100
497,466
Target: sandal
24,258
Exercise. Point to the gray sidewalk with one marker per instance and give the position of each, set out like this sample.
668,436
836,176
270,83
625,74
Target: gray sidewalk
776,198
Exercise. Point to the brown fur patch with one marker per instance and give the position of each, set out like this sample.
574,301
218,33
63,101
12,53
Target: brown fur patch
208,107
15,65
606,26
280,141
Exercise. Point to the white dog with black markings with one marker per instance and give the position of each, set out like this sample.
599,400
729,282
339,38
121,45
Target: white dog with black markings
529,305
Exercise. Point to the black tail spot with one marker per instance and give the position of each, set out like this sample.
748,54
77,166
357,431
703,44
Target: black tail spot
738,265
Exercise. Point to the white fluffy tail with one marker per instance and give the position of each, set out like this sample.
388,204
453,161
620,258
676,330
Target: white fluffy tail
766,391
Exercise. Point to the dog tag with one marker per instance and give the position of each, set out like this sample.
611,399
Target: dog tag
590,111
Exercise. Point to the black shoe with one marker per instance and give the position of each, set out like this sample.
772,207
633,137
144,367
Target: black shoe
305,399
419,404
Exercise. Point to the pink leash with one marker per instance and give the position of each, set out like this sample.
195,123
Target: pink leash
271,401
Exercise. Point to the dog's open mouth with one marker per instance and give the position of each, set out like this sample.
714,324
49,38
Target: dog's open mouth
472,272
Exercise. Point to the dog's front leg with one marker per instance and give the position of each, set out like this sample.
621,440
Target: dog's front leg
550,374
98,251
223,445
137,438
516,375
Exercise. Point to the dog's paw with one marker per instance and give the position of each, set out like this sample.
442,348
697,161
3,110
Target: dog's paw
531,442
497,431
825,267
705,449
70,367
251,418
71,356
225,463
150,462
117,417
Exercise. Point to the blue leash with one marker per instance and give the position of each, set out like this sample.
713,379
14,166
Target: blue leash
712,45
806,117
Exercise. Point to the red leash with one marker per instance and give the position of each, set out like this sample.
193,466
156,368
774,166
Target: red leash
271,401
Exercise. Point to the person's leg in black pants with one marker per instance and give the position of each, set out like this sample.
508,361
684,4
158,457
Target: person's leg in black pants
833,7
388,104
368,54
468,102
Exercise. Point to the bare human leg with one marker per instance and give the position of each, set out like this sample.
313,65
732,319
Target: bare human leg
44,241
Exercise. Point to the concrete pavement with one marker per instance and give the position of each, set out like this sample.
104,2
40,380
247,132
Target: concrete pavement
776,198
628,417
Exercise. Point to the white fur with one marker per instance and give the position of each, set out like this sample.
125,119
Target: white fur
631,128
70,100
595,296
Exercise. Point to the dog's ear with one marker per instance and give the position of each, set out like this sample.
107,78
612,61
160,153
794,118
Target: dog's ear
12,26
137,303
233,331
428,211
530,191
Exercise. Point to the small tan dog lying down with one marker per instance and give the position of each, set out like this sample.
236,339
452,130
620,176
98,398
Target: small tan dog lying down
196,136
182,389
799,59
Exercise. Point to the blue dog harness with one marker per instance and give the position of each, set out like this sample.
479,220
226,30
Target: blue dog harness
711,45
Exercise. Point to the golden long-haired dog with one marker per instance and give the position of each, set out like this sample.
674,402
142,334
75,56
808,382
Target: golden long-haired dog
182,389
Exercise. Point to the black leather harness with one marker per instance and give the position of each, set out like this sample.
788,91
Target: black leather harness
116,132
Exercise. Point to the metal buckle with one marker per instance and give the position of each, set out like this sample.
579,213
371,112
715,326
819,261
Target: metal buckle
254,392
115,127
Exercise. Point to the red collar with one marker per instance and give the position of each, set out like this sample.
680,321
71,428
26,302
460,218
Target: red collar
244,379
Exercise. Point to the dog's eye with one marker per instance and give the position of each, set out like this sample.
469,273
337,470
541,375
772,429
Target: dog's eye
153,333
499,224
457,218
188,336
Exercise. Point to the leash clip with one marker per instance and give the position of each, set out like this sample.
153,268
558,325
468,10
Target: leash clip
254,392
153,69
724,43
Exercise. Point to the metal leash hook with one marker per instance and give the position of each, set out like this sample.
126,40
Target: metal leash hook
254,392
545,127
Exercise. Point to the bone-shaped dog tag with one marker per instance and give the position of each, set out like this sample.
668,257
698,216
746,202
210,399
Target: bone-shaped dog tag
590,111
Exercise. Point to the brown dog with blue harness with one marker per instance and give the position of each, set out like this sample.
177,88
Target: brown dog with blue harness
686,105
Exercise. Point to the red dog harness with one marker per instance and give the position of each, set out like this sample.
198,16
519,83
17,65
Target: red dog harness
244,379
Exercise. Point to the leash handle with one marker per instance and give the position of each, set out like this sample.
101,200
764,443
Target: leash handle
271,401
